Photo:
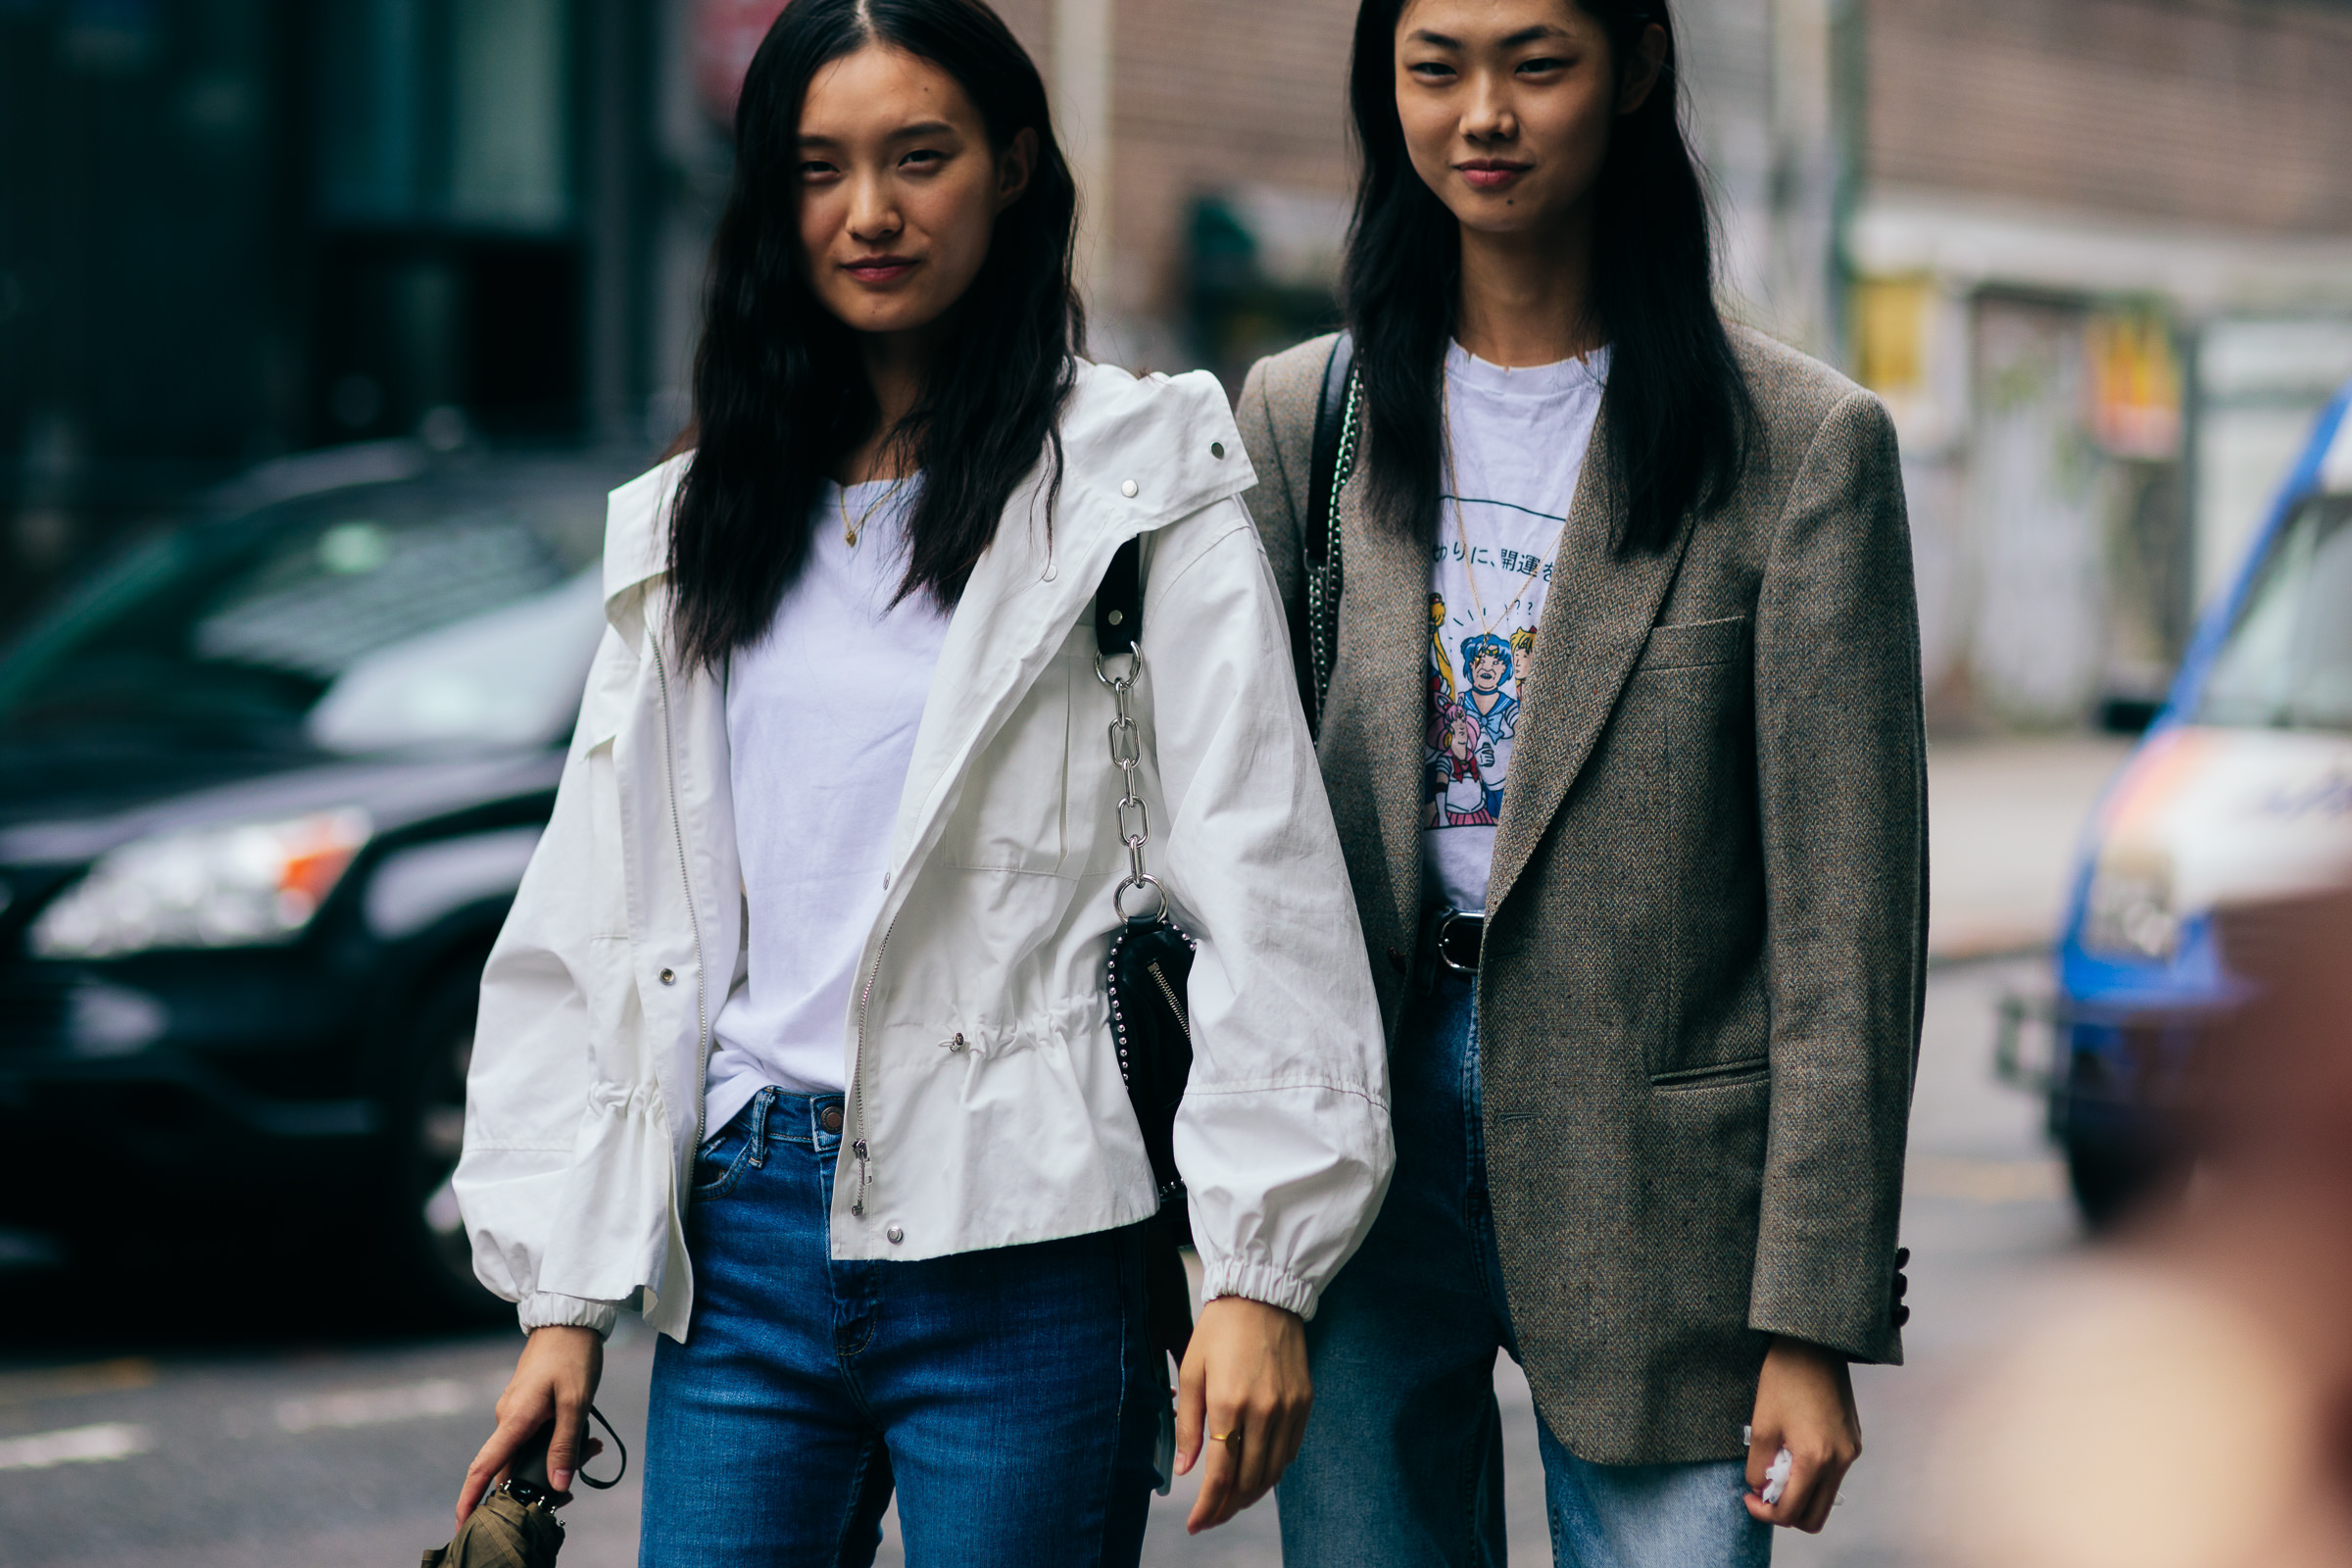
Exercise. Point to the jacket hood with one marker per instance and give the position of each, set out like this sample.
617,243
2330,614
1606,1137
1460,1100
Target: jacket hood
1172,437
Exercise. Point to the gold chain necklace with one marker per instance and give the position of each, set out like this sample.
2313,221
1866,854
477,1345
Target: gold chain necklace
849,531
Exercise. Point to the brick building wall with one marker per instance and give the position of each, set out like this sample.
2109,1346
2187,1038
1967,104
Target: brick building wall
2210,111
1210,94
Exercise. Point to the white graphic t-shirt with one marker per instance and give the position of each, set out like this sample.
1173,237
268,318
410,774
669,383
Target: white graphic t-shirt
1516,441
821,719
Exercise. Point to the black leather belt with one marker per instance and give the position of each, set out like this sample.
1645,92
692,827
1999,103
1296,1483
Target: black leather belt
1449,940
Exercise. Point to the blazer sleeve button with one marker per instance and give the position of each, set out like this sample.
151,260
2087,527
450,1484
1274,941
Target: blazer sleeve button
1398,962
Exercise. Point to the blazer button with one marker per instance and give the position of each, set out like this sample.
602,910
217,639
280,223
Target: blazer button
669,977
1398,962
830,1121
895,1234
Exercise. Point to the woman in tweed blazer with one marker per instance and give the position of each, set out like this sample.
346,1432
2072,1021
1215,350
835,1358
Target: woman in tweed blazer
1623,735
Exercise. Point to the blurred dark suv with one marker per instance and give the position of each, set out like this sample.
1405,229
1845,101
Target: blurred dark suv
266,788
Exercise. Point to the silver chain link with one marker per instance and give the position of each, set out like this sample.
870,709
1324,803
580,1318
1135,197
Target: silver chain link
1127,755
1323,588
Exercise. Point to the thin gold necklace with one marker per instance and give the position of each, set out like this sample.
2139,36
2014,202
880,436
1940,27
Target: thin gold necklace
849,531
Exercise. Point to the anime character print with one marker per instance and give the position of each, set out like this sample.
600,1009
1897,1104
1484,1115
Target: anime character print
1471,727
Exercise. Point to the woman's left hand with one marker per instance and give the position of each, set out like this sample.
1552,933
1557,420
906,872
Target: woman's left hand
1244,1386
1804,1404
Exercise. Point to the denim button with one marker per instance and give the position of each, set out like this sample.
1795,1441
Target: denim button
830,1119
895,1234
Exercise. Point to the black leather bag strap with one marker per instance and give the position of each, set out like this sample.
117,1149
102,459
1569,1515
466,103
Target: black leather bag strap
1315,616
1330,413
1119,602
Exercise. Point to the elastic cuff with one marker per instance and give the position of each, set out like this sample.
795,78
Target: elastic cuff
1260,1282
547,1311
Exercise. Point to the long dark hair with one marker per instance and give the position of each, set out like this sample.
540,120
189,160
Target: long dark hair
779,393
1677,410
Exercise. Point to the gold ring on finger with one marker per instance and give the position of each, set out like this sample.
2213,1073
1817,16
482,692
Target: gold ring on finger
1233,1437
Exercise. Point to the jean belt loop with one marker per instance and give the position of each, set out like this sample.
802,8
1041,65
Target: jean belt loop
762,1103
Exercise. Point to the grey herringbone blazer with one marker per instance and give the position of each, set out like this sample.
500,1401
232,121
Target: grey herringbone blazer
1705,951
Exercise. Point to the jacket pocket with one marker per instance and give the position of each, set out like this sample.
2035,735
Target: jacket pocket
1008,816
1714,1075
1694,644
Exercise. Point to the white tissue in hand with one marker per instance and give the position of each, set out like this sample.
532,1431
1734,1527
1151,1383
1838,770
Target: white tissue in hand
1775,1475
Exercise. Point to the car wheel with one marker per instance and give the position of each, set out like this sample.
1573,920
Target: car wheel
2112,1179
430,1246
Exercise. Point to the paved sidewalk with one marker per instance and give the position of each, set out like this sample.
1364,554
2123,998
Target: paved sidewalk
2004,818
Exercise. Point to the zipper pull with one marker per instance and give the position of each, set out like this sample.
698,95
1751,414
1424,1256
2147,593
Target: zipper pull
858,1204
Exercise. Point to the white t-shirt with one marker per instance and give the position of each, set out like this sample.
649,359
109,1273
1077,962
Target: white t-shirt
1517,440
821,720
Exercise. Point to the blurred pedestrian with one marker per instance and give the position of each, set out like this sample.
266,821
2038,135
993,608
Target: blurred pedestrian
1654,1011
2218,1320
796,1039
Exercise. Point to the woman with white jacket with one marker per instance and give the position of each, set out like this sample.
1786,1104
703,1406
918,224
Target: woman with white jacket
797,1041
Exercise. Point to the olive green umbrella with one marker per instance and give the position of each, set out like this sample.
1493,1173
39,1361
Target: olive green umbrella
515,1525
505,1532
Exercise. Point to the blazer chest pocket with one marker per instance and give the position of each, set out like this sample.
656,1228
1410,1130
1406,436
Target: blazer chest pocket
1695,645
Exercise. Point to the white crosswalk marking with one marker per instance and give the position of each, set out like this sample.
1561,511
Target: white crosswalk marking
94,1445
369,1407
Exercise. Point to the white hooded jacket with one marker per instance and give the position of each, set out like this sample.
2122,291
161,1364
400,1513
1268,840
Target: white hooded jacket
985,1089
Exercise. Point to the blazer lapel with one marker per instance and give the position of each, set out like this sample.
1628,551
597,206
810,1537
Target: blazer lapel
1589,636
1388,572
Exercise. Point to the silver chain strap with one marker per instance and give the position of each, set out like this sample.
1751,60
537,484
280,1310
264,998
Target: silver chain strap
1323,588
1127,755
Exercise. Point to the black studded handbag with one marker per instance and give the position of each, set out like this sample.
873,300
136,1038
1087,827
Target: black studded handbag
1150,965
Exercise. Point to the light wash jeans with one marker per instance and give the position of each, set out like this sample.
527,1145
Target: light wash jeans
1402,1463
1008,1395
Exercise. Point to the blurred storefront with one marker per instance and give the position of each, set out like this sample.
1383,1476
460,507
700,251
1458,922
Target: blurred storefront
2097,253
2099,261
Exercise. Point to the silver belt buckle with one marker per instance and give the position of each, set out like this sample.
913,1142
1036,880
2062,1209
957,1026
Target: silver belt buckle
1447,924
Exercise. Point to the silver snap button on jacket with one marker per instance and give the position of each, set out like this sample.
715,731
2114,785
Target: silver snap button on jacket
669,977
897,1233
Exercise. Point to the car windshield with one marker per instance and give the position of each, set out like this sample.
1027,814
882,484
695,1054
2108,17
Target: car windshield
2289,661
374,620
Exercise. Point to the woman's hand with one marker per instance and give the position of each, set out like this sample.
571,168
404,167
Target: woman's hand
555,1380
1244,1374
1804,1404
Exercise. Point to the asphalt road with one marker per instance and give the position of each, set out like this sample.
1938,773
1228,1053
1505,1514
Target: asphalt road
172,1420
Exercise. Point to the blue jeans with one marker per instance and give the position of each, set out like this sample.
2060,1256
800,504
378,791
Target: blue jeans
1008,1395
1403,1462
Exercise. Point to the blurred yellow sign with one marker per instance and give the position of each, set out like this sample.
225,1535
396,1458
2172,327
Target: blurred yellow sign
2134,383
1891,317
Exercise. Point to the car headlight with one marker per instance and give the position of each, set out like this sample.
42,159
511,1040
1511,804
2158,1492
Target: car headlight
2129,913
237,886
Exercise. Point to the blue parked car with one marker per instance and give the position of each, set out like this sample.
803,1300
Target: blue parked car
2241,793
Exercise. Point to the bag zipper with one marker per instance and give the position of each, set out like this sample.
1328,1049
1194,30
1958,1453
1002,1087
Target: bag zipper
677,829
1175,1004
